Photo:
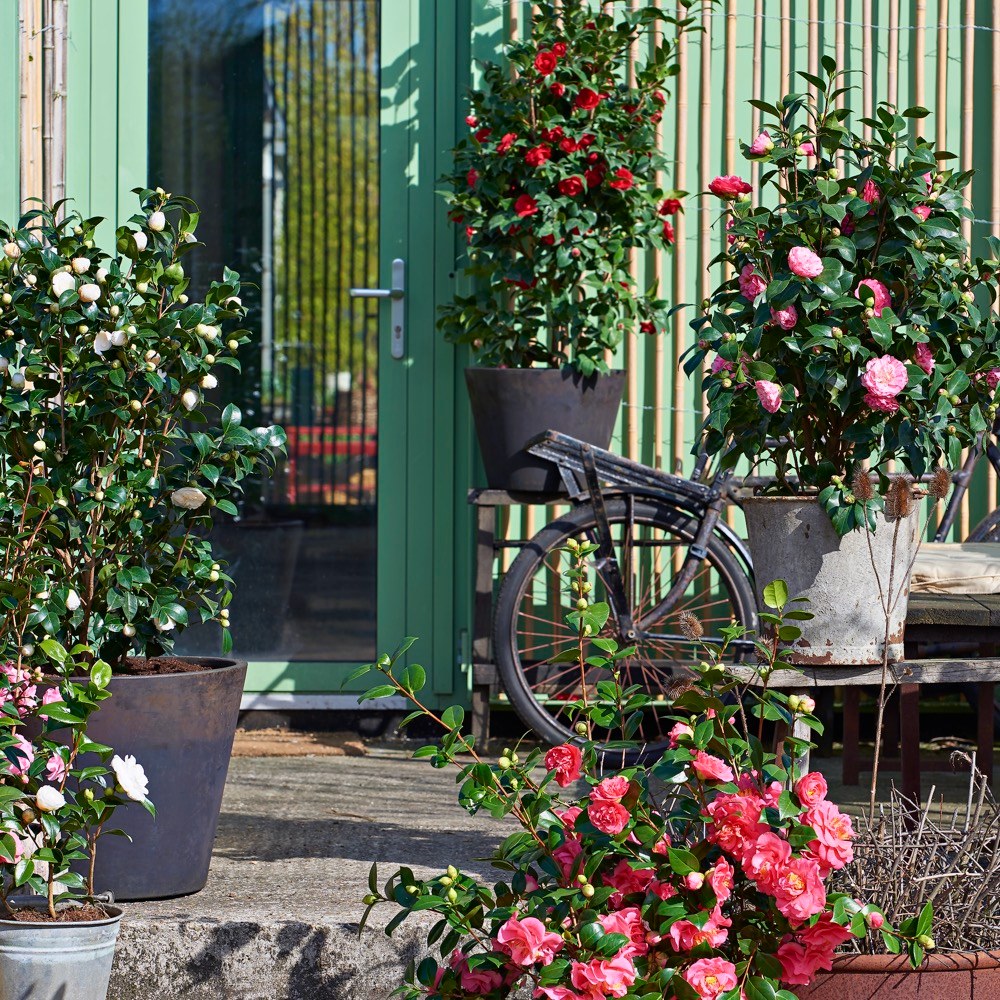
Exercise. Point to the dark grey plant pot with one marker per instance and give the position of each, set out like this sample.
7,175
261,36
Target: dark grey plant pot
180,728
510,406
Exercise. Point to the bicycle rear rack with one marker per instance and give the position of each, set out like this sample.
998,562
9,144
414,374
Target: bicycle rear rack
568,453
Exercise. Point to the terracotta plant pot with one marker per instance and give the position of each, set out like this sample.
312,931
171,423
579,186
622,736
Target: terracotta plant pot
510,406
973,975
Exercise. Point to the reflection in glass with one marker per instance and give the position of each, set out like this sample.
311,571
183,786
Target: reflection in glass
265,112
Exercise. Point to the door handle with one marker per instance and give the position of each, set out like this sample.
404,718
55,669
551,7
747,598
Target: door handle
397,337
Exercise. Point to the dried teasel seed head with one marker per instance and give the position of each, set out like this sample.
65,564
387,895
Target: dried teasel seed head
940,484
861,485
691,628
899,498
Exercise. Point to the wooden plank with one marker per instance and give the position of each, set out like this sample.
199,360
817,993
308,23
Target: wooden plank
966,610
941,671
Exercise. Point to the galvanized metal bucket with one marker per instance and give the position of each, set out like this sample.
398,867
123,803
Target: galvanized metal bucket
792,539
57,961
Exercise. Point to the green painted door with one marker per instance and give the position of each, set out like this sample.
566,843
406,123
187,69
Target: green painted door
309,132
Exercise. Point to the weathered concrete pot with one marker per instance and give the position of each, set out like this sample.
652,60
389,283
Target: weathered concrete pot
180,728
510,406
958,976
792,539
49,960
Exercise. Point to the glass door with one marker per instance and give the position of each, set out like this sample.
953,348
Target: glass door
268,114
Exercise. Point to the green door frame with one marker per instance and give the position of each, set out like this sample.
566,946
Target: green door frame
423,526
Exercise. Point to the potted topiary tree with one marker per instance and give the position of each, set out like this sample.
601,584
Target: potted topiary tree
554,188
855,332
111,474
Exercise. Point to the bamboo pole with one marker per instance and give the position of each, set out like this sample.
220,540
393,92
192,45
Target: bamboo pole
813,44
729,105
659,342
892,71
60,31
632,411
968,121
920,53
866,65
31,101
839,54
941,90
704,165
758,63
680,388
786,45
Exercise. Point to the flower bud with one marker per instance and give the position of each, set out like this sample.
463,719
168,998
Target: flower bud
39,447
807,705
128,630
793,702
189,399
62,281
140,241
233,344
874,920
102,275
208,382
694,881
118,338
587,890
49,799
156,222
11,251
452,896
581,728
926,942
72,600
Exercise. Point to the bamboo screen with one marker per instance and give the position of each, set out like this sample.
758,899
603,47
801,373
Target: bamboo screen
942,54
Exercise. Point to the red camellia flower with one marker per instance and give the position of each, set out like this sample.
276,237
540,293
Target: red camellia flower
506,142
559,49
587,99
729,186
548,240
594,175
587,140
659,97
623,179
557,89
545,62
471,121
670,207
571,186
568,145
483,134
552,134
471,177
525,205
536,156
668,231
647,327
565,761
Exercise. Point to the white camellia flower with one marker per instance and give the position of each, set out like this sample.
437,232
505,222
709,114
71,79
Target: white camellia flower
156,222
189,399
140,241
4,364
11,250
101,274
131,776
188,497
17,379
207,331
209,381
72,600
234,302
118,338
49,799
81,265
90,293
165,626
62,281
102,341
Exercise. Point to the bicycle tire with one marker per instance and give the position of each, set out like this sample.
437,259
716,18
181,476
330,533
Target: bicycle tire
519,672
988,529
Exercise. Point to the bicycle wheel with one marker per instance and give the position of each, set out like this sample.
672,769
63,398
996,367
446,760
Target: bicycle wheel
988,529
650,545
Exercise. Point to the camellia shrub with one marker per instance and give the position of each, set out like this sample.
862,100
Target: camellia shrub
701,873
855,327
558,184
111,470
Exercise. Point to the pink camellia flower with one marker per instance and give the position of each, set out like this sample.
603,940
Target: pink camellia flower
555,993
875,920
602,977
923,212
711,768
729,186
711,977
608,817
772,792
762,145
769,394
803,262
799,891
929,181
847,224
684,935
610,789
734,823
51,695
807,149
719,364
22,753
21,844
478,981
720,878
879,291
568,817
628,880
751,283
923,358
871,192
884,379
767,860
823,938
993,378
797,966
567,857
786,318
832,847
527,941
681,730
627,921
56,769
565,761
811,788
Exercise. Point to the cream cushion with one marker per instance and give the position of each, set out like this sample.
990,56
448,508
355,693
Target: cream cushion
950,568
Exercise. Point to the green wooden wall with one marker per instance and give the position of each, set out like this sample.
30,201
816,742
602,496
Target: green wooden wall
9,118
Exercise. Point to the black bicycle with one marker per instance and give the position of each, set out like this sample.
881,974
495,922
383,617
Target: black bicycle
663,547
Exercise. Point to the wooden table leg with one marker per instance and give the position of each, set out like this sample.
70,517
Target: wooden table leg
909,739
482,622
852,733
984,728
